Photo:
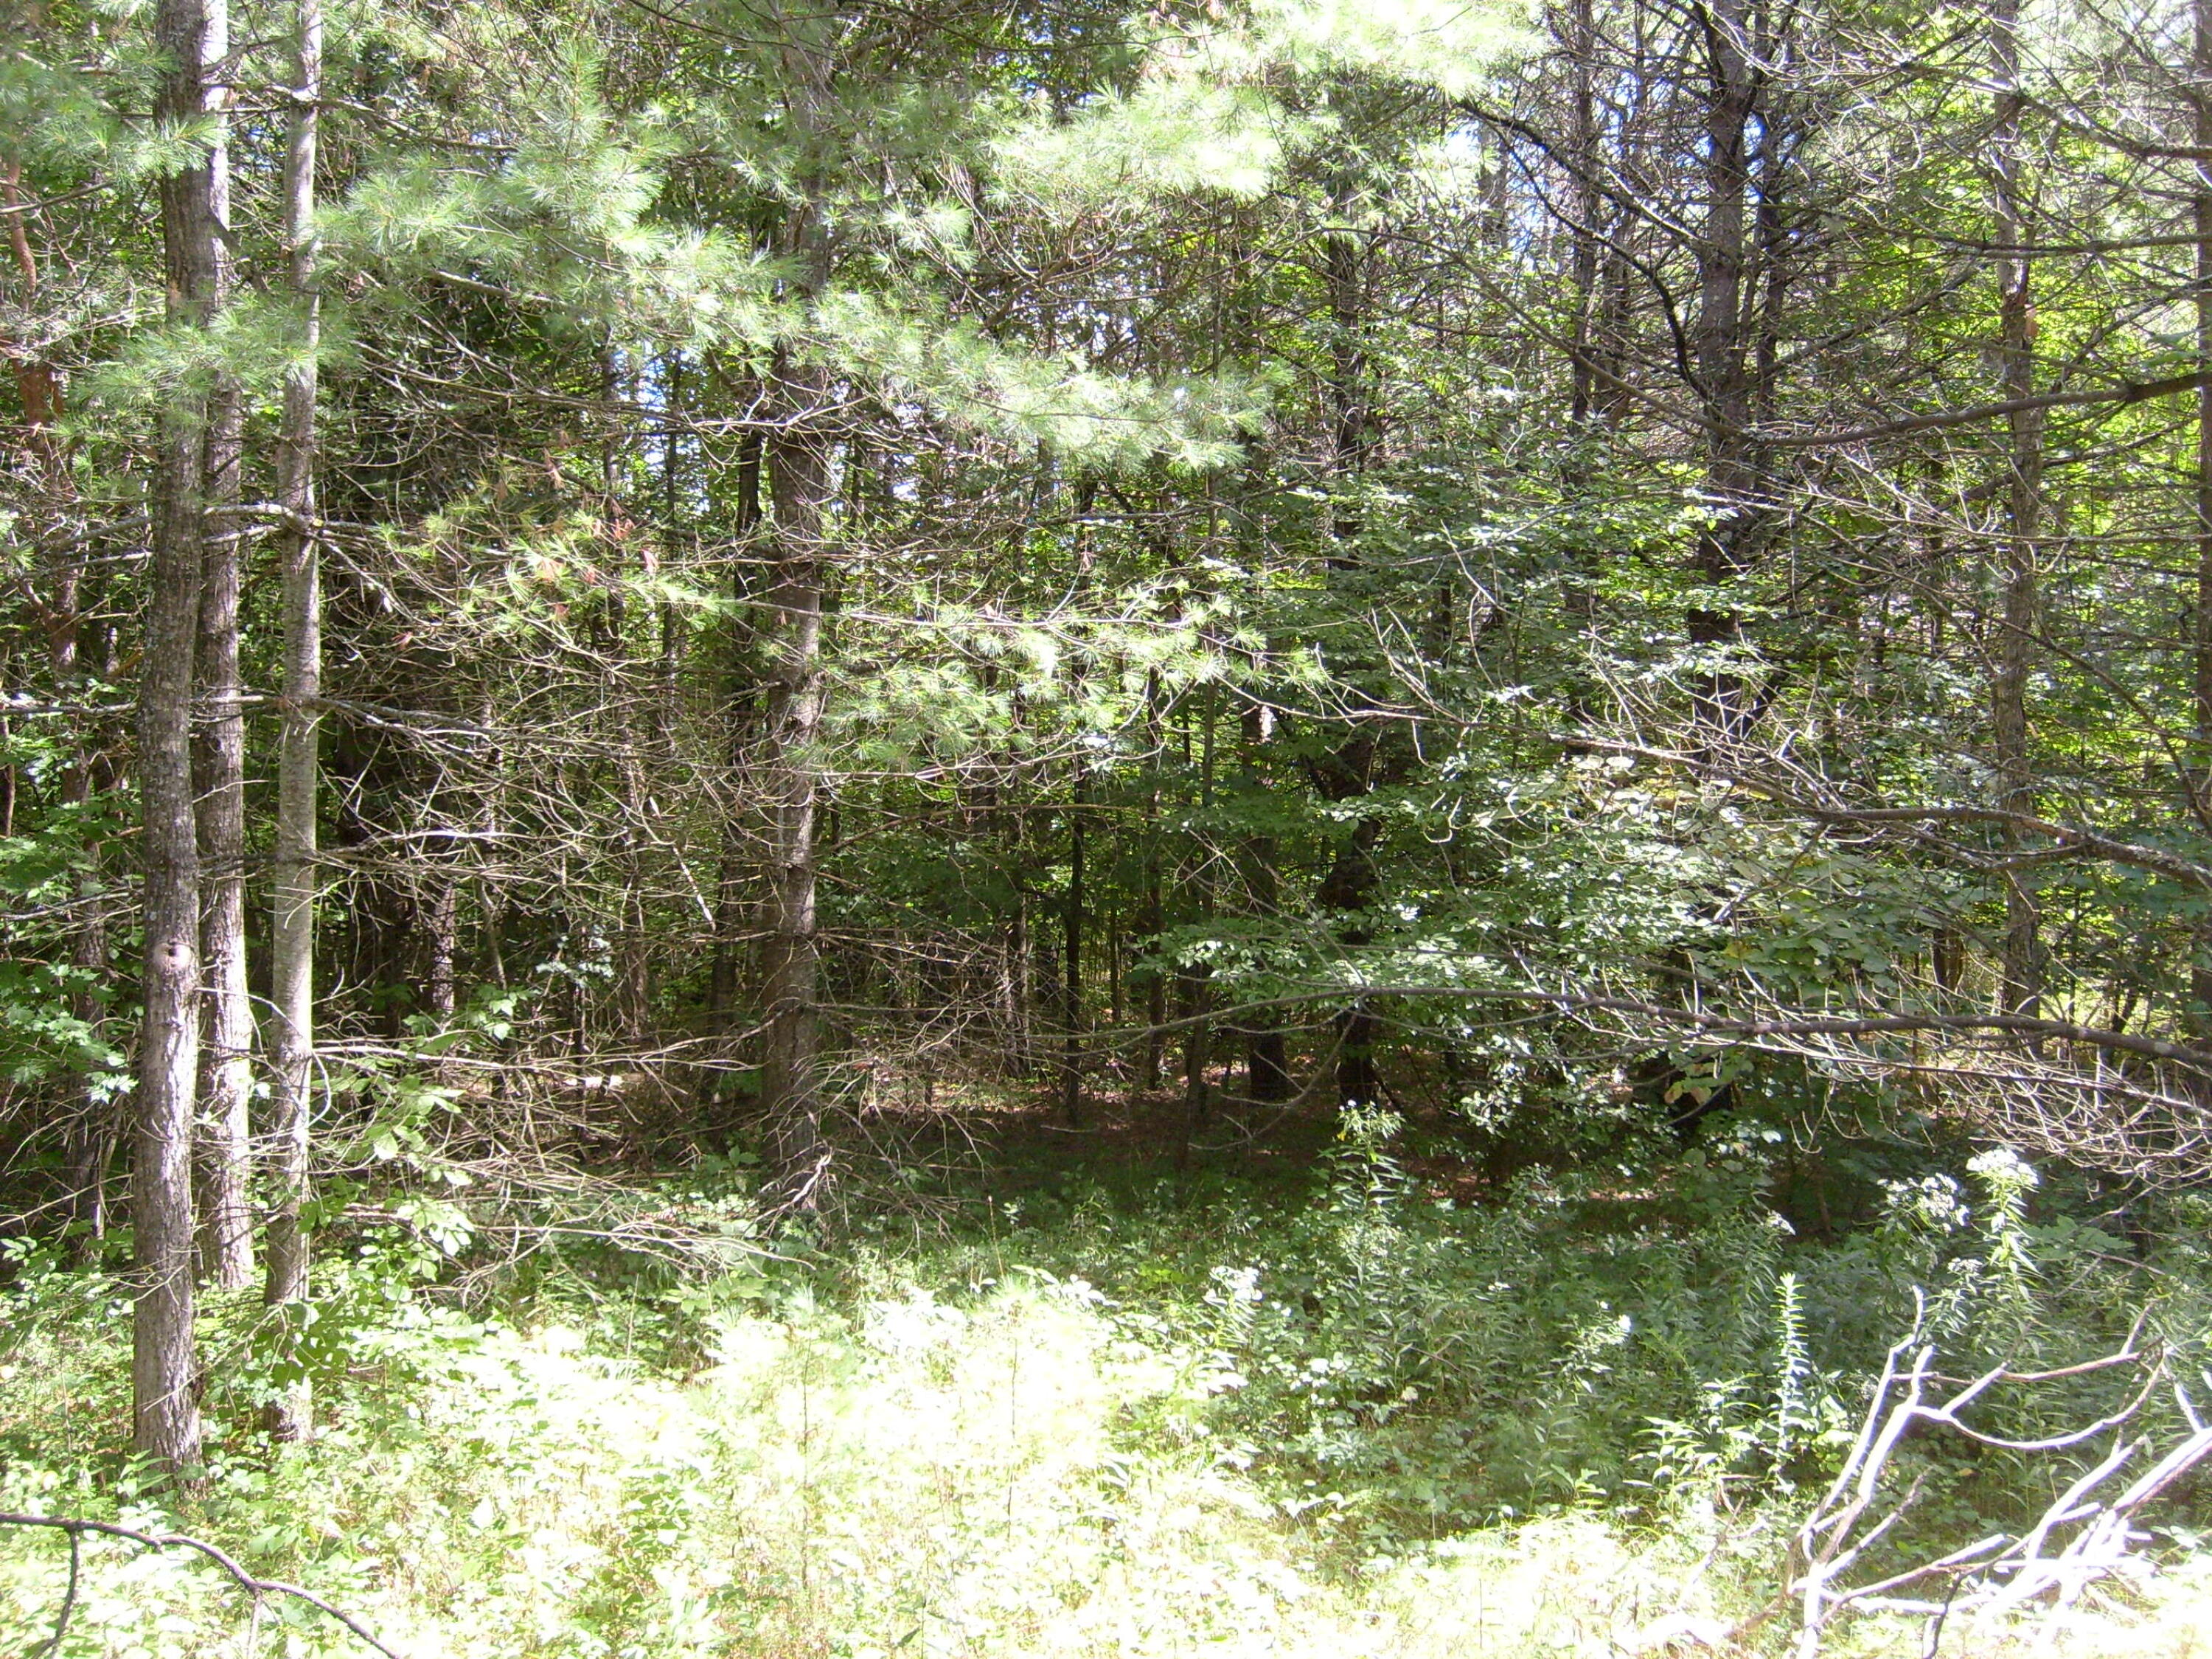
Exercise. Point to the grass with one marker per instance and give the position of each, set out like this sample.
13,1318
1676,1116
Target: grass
1095,1428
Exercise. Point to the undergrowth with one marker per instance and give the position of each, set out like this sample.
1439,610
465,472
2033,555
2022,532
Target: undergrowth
1165,1421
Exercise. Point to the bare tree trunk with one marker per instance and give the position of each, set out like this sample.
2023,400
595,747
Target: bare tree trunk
798,454
791,1083
1195,983
1352,876
38,380
193,35
1194,997
1266,1056
1726,545
1347,889
292,939
1071,990
731,911
2022,964
1589,205
224,1135
2200,976
1153,918
1014,981
442,935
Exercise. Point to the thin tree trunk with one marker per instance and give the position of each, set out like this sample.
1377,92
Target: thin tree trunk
2021,966
38,381
1152,919
1347,889
1195,996
442,930
224,1136
292,937
193,35
1350,774
791,1083
1071,990
799,448
1725,546
1195,983
1014,981
1589,204
729,906
2200,977
1266,1054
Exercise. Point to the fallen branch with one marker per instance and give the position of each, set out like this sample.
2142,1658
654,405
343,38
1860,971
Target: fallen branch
1993,1573
76,1527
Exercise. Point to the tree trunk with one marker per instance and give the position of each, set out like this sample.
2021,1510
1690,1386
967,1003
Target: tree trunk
1589,206
292,937
193,35
1351,879
791,1083
2021,969
442,928
1350,887
224,1136
1726,545
1071,990
1266,1055
1194,986
1195,995
2200,977
731,911
1153,918
798,451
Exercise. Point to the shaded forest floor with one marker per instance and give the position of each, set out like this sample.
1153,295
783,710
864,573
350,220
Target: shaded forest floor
1309,1394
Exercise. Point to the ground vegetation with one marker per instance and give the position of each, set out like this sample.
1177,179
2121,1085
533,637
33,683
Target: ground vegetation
1020,829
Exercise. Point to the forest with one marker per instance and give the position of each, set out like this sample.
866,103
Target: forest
1021,829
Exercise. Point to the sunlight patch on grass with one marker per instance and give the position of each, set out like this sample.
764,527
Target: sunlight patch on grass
1002,1476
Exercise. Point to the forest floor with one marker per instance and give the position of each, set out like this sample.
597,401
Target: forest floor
1043,1432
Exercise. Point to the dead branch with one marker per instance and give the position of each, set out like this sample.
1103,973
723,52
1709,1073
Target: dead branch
76,1527
2079,1539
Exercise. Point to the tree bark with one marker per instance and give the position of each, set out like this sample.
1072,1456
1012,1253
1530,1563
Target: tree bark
731,913
1589,204
1352,876
2022,967
2200,976
1266,1053
1071,989
441,929
1194,982
798,451
292,937
1726,546
1152,918
224,1137
193,36
791,1083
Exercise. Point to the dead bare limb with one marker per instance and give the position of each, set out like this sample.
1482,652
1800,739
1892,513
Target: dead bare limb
2079,1539
76,1527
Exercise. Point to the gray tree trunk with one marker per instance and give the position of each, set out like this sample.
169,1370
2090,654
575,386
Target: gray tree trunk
798,452
2022,967
292,939
193,35
223,1136
791,1081
1727,546
2201,112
